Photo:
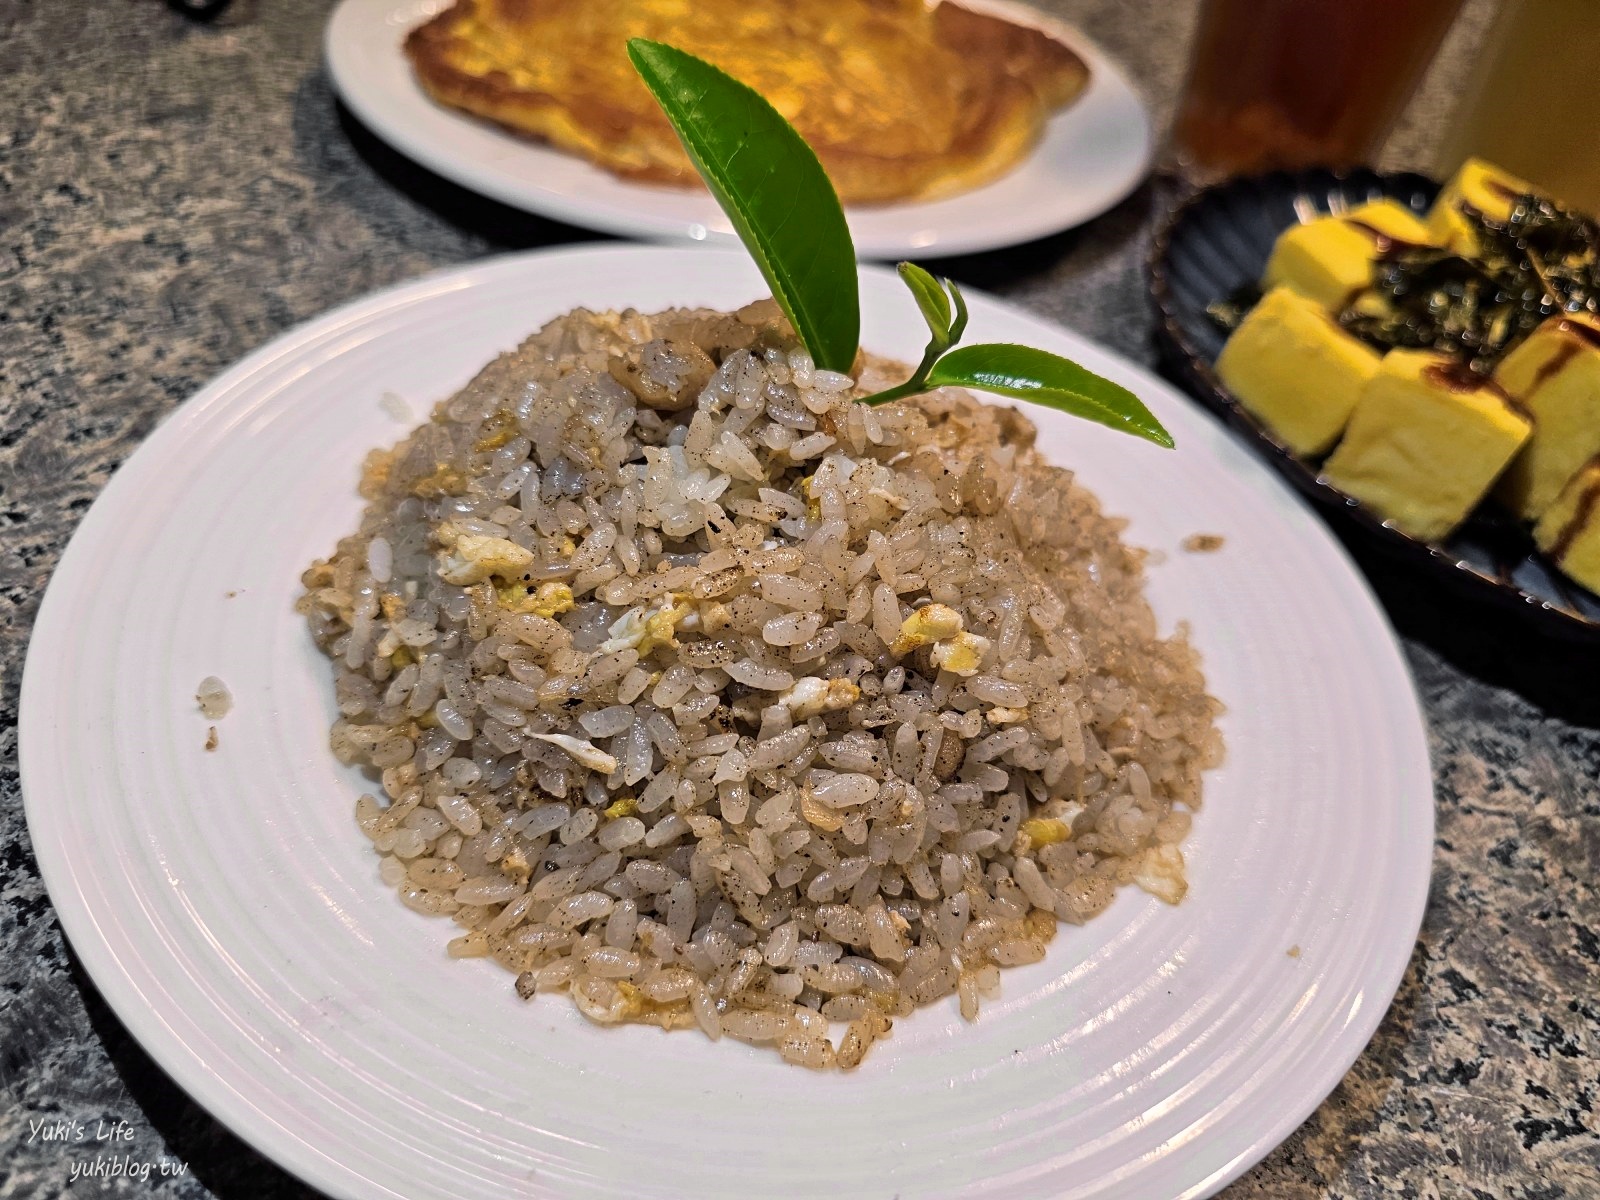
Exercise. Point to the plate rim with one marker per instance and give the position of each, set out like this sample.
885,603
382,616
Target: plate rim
346,77
1200,374
304,1159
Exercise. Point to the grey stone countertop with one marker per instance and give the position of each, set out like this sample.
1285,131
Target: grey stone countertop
173,195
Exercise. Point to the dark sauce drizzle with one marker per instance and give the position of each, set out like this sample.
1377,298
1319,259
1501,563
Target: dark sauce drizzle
1457,377
1575,333
1579,519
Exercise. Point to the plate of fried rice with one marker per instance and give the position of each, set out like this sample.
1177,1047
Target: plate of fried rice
531,731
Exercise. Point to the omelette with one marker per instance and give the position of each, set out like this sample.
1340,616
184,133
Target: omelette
900,100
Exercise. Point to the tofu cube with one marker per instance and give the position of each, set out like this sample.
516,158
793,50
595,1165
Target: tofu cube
1555,376
1295,370
1569,531
1479,185
1425,443
1330,259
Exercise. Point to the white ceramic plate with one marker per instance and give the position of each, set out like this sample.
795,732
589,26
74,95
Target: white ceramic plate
230,911
1092,155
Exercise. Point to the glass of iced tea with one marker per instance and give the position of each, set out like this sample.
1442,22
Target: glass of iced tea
1296,83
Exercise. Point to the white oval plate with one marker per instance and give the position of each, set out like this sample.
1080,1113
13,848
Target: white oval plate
1092,155
230,911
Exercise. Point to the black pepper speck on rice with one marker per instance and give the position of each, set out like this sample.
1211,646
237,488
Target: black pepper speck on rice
708,697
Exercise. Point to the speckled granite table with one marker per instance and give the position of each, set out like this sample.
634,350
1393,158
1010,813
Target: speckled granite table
172,196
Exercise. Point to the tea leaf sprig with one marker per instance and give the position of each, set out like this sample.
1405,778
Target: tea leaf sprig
785,210
945,311
1020,372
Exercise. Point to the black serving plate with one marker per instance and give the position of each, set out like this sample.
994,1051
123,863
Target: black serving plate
1218,241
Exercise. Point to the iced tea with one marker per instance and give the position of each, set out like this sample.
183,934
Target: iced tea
1291,83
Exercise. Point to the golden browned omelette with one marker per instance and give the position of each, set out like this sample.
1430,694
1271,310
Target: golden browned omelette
899,100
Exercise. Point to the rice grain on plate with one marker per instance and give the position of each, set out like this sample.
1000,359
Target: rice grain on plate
213,697
708,697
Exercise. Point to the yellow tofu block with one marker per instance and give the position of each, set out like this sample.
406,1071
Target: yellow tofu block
1330,259
1295,370
1569,531
1555,376
1326,260
1478,185
1425,442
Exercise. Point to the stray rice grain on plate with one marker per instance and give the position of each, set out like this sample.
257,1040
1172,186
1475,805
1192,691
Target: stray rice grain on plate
709,697
214,698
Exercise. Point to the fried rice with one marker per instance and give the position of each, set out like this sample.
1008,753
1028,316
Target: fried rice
708,697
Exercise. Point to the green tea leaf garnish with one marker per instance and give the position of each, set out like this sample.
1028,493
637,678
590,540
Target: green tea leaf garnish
935,305
1048,379
786,212
1017,371
959,325
773,189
